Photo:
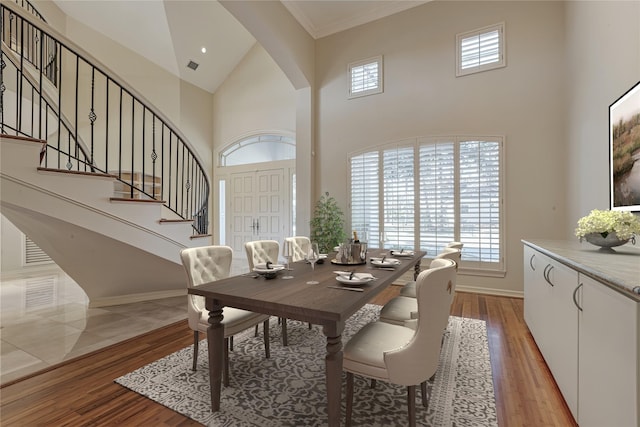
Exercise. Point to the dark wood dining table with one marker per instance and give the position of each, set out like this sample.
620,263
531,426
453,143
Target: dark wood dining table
295,299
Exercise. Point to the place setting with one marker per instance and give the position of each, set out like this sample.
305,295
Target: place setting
352,281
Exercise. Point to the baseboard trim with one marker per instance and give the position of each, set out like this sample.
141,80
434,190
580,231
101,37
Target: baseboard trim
490,291
484,291
128,299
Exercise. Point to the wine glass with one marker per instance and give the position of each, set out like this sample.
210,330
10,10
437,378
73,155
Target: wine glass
287,253
312,256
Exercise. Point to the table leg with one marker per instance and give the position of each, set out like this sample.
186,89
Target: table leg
215,342
333,377
416,270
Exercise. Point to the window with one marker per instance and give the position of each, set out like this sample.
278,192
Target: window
365,77
427,192
480,50
258,149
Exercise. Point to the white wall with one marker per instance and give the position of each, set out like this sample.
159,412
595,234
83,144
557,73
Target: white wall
603,50
423,97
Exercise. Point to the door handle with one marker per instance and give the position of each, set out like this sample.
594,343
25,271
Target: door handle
546,272
575,296
258,226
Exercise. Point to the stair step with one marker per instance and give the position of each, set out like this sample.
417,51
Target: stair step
199,236
85,173
127,199
183,221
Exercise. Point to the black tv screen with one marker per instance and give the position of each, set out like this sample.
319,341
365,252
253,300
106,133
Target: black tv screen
624,150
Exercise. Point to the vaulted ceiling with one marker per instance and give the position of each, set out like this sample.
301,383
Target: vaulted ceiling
171,33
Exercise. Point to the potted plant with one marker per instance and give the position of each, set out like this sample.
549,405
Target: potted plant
608,228
327,224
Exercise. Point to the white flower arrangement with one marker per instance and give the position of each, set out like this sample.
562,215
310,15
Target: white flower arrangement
625,224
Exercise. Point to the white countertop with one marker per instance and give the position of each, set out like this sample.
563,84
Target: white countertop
618,268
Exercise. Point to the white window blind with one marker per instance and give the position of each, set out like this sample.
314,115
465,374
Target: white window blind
453,192
365,196
365,77
398,196
437,195
480,50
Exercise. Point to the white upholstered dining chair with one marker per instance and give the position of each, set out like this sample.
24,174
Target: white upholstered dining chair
402,308
405,354
261,252
205,264
299,247
453,251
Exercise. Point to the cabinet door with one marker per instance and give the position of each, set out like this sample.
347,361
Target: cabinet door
537,294
562,352
608,358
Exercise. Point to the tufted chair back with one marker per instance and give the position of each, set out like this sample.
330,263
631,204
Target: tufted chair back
299,247
261,251
204,264
417,361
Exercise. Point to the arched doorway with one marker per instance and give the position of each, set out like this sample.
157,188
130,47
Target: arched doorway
256,184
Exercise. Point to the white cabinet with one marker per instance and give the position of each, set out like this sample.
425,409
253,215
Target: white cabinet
552,319
608,357
588,335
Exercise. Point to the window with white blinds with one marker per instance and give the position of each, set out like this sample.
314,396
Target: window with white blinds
431,192
365,77
480,50
365,196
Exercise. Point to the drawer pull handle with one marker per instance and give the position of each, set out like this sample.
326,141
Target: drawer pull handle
531,262
575,296
546,272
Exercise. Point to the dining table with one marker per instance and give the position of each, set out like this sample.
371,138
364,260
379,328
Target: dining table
328,303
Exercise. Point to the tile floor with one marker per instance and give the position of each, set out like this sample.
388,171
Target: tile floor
45,319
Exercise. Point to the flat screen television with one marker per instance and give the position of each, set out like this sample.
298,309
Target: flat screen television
624,151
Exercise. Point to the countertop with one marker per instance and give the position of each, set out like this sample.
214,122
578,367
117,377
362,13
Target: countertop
618,268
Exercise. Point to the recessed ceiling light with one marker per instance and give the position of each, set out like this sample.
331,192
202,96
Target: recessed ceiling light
203,50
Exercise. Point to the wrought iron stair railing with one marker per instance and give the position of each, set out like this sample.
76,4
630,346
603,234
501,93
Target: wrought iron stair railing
51,89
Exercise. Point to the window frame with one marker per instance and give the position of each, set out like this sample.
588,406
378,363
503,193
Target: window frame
500,63
467,267
366,92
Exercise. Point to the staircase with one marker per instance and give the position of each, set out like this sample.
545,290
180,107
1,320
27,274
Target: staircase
112,197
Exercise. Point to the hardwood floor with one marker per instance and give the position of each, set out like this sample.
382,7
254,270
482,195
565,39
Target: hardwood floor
82,391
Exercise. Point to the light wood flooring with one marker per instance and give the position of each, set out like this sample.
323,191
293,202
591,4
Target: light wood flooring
82,391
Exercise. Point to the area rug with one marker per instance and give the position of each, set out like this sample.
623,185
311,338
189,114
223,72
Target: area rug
289,388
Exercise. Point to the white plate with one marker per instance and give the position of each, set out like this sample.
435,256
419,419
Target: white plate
262,268
388,262
357,279
403,253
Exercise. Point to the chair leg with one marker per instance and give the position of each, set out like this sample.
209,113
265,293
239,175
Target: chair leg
425,394
285,339
225,378
349,408
255,332
267,347
310,326
373,384
411,402
231,343
196,341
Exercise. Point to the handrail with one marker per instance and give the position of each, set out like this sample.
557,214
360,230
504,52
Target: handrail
92,120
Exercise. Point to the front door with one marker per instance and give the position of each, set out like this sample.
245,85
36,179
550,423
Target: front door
258,206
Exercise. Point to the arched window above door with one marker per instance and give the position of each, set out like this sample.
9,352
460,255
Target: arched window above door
259,149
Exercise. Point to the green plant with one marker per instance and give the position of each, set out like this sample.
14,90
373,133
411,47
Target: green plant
624,224
327,224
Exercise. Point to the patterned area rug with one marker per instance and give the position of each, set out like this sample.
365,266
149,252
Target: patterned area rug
288,389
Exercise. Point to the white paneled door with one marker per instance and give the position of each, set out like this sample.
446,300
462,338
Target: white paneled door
258,207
